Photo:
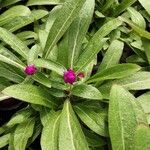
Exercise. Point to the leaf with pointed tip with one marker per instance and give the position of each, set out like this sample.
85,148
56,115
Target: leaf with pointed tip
77,31
95,121
13,12
86,91
138,81
4,140
146,5
14,42
31,94
71,136
68,13
112,56
115,72
96,43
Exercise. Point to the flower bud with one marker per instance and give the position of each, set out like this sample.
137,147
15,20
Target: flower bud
69,76
30,70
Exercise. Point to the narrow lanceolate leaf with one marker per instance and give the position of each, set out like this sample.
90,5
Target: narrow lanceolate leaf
4,140
22,133
71,136
11,62
65,17
146,5
31,94
14,42
10,75
44,2
112,56
86,91
95,121
78,29
13,12
136,17
136,28
51,65
22,21
115,72
137,81
96,43
49,137
122,120
123,6
142,138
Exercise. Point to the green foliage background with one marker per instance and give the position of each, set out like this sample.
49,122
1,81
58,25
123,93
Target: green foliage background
107,40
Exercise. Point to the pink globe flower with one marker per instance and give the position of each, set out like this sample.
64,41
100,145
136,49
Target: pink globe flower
30,69
69,76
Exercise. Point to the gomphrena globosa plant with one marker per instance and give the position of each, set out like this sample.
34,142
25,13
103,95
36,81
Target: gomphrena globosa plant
78,72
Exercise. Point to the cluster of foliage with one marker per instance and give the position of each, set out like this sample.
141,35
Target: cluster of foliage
81,70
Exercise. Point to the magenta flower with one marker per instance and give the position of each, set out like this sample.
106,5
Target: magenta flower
30,69
80,75
69,76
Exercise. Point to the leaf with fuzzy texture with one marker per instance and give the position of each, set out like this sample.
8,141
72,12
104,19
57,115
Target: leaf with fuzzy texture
86,91
31,94
65,17
49,137
71,136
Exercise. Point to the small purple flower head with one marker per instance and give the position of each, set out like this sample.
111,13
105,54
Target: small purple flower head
69,76
80,75
30,69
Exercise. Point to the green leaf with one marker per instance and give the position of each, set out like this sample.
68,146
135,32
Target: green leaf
33,53
13,12
86,91
145,102
142,138
49,137
41,78
19,117
146,5
20,22
14,42
95,121
5,3
123,6
146,45
136,17
22,133
10,75
51,65
44,2
122,120
31,94
65,17
115,72
136,28
112,56
4,140
11,62
71,136
77,31
96,43
138,81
